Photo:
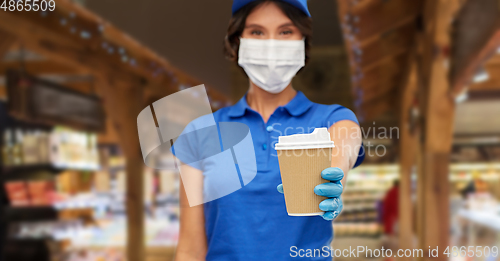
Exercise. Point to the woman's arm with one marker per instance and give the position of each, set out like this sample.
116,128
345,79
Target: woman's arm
346,135
192,244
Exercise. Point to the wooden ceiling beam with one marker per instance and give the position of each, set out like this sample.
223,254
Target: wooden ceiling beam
371,110
491,84
41,67
383,74
476,37
378,18
112,34
483,95
386,72
86,87
7,40
494,60
363,5
378,91
387,59
388,44
58,47
48,36
89,37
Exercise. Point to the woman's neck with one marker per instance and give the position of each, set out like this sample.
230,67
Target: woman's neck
265,103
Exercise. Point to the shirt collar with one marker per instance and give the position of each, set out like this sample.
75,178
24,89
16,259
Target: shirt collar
296,107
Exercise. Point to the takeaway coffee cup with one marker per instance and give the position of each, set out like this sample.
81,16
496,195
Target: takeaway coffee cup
302,157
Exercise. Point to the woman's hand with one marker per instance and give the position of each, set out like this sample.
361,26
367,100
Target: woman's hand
333,189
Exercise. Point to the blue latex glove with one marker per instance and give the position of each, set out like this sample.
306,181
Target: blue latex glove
333,189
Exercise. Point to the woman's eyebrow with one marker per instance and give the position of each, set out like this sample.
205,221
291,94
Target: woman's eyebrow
287,24
253,25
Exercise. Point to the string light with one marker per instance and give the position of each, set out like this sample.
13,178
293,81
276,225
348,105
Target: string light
85,35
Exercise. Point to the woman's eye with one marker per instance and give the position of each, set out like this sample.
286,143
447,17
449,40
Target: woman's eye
287,32
256,32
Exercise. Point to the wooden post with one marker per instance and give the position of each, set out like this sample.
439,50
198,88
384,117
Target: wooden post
123,102
407,154
437,108
6,41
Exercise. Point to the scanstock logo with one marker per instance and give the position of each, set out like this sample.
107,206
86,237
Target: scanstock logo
213,158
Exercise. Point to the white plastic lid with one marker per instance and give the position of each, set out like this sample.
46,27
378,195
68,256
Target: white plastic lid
319,138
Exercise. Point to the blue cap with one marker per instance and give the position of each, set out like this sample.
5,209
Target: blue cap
300,4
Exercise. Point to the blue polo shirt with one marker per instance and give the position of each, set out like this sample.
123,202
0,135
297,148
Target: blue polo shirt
252,223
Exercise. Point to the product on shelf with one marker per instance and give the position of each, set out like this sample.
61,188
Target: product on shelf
71,149
102,181
62,147
7,154
121,181
17,153
370,229
17,193
168,181
58,230
41,192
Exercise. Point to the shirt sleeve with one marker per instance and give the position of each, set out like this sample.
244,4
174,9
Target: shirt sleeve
184,147
338,113
198,141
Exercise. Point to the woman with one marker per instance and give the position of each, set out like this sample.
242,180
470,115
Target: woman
270,39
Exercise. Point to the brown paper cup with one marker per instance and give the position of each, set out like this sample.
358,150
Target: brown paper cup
301,172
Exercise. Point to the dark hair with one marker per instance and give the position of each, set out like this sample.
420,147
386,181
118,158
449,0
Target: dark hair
237,25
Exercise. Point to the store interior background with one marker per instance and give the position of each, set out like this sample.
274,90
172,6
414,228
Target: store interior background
421,75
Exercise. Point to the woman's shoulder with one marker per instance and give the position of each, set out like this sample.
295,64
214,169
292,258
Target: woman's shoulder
330,107
334,112
222,113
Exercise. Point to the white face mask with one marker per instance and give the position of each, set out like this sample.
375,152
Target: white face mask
271,64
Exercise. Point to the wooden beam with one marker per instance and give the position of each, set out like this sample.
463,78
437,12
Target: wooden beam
41,67
386,72
437,108
476,37
6,41
408,148
388,44
113,35
371,110
493,84
83,87
110,51
123,102
483,95
57,47
378,18
380,80
382,90
492,67
494,60
363,5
